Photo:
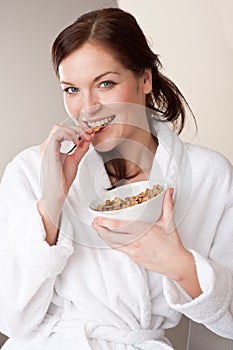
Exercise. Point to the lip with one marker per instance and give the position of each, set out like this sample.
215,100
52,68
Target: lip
100,123
99,119
103,129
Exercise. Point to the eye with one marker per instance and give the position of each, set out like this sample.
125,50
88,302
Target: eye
106,84
71,90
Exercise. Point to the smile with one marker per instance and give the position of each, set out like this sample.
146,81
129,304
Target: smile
102,123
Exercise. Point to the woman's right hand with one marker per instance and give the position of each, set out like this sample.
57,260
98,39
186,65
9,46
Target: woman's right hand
59,171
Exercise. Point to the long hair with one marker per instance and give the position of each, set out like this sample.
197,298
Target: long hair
120,33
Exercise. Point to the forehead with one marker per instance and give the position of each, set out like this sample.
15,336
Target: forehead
89,59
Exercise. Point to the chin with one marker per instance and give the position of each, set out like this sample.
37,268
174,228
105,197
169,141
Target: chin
107,145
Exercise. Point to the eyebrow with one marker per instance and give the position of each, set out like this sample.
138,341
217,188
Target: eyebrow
95,80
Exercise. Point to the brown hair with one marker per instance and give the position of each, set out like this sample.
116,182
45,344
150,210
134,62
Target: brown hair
119,31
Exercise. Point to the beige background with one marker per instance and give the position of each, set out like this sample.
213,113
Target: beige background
195,42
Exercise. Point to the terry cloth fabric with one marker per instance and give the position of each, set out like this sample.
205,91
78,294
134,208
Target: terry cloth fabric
81,294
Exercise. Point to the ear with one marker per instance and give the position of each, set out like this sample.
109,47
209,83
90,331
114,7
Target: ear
147,81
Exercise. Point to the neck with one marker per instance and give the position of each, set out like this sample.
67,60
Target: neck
138,154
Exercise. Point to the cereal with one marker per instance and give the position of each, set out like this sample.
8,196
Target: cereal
118,203
97,128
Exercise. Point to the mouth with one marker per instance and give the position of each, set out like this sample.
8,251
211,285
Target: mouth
100,124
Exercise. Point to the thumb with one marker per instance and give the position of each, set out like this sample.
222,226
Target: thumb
81,150
168,209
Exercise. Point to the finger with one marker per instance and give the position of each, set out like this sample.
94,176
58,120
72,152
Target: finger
114,240
81,150
168,211
54,142
111,224
63,133
85,127
131,227
78,130
77,123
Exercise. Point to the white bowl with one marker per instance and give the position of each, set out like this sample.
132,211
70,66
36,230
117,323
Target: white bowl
148,211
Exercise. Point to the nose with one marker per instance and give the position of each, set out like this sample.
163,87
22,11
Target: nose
89,112
90,106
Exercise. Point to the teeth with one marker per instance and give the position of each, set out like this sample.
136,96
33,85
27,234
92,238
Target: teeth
102,122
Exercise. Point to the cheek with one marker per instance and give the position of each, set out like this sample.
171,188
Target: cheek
66,105
125,96
123,93
70,105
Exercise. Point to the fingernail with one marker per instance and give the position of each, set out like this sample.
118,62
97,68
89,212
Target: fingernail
100,221
171,191
96,221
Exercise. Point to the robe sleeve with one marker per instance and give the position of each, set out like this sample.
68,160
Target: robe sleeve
29,266
214,307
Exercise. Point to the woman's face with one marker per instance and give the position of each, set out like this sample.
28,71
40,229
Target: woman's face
99,90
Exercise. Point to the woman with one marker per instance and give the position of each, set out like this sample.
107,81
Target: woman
73,291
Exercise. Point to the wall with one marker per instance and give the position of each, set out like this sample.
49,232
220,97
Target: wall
31,99
195,42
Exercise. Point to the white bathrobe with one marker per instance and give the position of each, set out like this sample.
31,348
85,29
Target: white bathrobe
79,293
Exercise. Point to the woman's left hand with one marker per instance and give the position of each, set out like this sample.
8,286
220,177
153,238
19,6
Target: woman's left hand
156,247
